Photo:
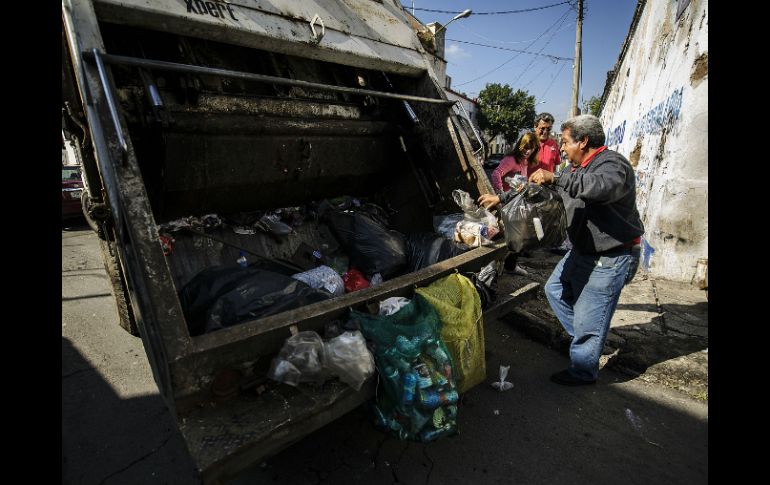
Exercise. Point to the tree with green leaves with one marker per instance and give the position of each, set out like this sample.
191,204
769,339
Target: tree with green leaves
593,106
504,112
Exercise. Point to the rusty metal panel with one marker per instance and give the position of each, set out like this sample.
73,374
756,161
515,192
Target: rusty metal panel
258,426
359,33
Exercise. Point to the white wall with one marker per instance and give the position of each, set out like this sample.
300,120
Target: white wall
69,155
656,114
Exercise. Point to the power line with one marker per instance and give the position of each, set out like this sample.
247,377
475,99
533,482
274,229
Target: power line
536,77
554,58
487,13
552,81
561,19
460,25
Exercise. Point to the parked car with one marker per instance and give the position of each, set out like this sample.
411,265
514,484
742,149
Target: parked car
493,160
71,190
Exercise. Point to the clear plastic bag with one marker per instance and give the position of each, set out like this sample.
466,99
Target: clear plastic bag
348,358
301,359
474,234
518,182
478,226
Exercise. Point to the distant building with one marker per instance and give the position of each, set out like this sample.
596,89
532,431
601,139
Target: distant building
655,110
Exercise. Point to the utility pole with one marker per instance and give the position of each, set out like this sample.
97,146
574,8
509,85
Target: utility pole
578,59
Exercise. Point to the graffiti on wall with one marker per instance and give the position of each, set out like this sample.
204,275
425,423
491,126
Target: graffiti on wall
646,255
615,136
666,111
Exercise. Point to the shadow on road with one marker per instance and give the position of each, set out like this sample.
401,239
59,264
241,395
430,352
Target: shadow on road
536,433
107,439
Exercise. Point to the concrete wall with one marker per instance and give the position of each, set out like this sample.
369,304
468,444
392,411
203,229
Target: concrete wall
656,114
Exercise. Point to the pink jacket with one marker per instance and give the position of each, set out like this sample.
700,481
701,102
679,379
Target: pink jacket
508,168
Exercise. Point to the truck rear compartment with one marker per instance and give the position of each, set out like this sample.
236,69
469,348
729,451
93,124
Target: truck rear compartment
218,144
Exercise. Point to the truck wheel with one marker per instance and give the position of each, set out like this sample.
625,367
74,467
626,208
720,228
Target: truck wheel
119,289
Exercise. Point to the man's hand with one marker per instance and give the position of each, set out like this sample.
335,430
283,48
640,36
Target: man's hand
541,177
488,200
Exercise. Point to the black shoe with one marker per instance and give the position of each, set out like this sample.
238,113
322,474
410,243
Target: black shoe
566,379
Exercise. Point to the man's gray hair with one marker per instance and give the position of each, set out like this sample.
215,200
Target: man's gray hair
582,126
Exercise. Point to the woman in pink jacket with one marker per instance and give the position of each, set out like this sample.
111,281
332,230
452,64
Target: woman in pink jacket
517,161
520,160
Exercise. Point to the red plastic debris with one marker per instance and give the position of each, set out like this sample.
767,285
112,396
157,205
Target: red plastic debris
354,280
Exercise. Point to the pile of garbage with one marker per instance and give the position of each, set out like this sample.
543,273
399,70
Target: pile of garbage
365,252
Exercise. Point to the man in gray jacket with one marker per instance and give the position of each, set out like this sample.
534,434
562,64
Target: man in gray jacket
603,224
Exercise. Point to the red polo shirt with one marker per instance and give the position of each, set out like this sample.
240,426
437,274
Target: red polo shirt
548,157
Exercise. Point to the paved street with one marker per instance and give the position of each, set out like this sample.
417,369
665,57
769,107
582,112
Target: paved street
116,429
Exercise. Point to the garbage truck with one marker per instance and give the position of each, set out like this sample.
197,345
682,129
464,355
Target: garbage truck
191,108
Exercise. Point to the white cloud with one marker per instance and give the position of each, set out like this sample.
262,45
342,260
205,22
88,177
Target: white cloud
455,52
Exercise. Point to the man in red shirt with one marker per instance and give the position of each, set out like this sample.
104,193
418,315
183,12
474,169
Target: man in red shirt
548,156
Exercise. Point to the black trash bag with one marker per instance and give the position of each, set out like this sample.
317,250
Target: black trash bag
371,247
534,218
485,282
222,296
425,248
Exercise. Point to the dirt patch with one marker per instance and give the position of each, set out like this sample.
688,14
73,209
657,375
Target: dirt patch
700,69
636,153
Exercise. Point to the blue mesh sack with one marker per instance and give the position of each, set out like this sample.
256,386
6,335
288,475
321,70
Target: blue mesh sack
418,399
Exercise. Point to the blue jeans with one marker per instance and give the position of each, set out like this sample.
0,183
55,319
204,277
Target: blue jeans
583,292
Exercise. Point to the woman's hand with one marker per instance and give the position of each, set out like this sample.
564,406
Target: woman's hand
488,200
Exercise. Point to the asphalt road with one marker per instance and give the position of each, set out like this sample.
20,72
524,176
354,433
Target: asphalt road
116,429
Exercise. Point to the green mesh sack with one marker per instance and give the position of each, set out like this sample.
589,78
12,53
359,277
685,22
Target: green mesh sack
458,305
418,397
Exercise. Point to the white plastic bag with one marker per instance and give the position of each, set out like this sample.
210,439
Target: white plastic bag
322,277
503,385
348,358
389,306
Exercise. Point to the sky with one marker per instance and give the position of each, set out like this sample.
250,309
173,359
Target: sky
546,31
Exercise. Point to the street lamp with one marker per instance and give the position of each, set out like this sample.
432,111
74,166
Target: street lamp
461,15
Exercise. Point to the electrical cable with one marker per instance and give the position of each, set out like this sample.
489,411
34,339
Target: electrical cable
552,57
552,81
487,13
460,24
536,77
561,19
